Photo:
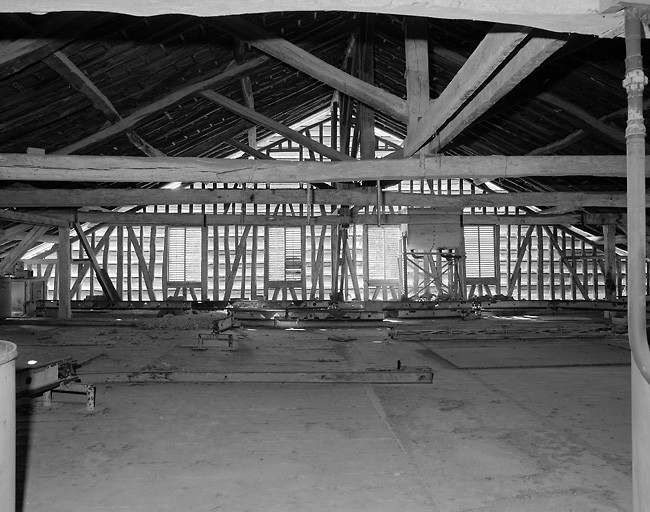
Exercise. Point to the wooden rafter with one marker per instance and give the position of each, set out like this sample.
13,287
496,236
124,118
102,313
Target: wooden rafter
495,48
304,61
262,120
249,150
60,63
580,134
86,168
590,123
527,59
230,75
17,55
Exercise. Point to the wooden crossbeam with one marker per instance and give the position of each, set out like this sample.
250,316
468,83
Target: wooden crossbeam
267,122
201,220
491,52
304,61
228,76
367,196
87,168
31,218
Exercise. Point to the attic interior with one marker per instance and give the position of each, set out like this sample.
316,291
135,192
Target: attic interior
315,260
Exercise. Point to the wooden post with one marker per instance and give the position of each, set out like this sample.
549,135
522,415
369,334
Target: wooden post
609,232
63,274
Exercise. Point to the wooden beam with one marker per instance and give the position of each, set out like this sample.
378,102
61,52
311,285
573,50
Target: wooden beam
17,55
87,168
491,52
298,58
200,219
249,150
230,75
267,122
12,257
580,134
102,275
241,249
570,201
516,272
31,218
60,63
247,91
142,263
63,273
534,53
609,235
417,69
531,56
567,264
365,114
590,123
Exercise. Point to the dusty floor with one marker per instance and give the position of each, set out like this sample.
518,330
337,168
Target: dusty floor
507,425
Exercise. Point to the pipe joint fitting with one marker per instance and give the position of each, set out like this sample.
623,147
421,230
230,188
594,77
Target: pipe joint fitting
635,80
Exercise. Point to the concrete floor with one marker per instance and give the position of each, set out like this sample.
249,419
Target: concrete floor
513,438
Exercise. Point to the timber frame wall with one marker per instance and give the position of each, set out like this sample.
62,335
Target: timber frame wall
534,261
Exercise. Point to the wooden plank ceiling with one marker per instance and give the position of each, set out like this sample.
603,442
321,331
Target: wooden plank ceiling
179,86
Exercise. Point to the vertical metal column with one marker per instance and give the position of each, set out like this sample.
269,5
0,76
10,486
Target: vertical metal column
634,84
7,426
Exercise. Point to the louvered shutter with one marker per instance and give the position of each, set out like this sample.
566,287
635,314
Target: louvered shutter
479,252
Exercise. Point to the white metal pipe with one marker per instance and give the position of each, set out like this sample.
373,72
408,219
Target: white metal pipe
634,84
8,353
